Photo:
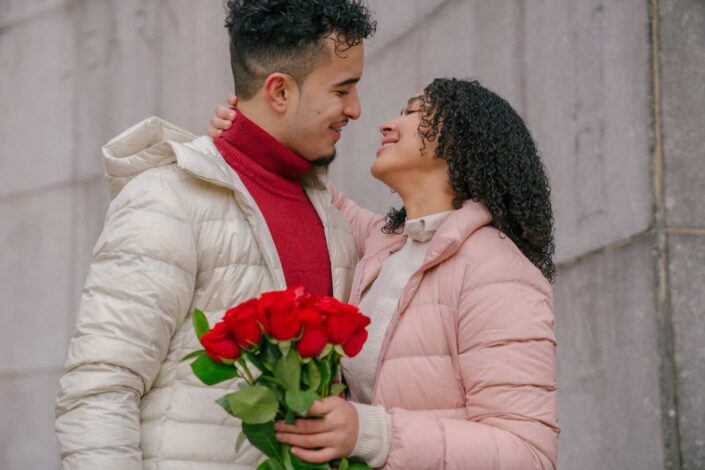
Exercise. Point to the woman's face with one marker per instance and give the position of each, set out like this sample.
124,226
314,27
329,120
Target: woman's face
402,158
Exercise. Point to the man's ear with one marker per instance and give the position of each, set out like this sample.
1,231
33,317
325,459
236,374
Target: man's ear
278,91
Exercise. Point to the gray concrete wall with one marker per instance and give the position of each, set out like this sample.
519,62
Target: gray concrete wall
611,91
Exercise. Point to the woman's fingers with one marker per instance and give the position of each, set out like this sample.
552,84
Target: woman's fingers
315,456
224,112
232,99
304,426
325,406
307,441
220,124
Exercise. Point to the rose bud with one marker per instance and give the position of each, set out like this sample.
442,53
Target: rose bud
280,310
220,345
353,346
312,341
246,323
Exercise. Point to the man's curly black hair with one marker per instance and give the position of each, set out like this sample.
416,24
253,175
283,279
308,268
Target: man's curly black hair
286,36
491,159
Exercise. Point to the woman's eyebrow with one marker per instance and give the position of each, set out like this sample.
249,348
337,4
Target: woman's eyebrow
411,102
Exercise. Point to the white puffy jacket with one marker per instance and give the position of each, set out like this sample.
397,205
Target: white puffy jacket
181,233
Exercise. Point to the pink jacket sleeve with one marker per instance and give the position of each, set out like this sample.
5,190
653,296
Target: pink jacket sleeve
506,349
362,221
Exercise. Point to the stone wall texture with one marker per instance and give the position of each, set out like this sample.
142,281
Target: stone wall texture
612,92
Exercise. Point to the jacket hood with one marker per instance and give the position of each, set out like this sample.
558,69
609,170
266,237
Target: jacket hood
147,144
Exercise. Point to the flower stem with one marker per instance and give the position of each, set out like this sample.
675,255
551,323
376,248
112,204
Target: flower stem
250,379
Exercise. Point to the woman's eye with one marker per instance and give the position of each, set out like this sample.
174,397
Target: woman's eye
341,93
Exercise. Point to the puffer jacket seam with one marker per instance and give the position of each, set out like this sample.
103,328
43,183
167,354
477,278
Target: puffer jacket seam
145,255
153,211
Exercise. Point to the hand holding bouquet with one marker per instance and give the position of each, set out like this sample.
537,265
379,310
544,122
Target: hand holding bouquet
295,342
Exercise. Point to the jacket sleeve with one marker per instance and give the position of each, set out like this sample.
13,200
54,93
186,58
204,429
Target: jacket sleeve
362,221
137,293
506,348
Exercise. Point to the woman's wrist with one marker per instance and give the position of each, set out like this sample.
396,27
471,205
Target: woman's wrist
374,434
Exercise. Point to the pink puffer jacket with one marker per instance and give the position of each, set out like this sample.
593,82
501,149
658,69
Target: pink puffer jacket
467,364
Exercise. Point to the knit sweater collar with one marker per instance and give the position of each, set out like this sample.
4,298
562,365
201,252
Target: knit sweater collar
259,152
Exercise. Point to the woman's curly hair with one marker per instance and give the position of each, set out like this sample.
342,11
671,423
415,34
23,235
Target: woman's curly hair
492,159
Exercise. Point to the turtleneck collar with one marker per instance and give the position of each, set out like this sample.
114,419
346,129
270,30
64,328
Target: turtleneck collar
422,229
264,150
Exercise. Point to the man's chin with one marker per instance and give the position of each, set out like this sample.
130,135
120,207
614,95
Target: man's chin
324,160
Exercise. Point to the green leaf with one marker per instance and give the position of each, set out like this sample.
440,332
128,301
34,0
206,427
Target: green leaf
339,349
300,401
335,389
200,323
241,438
270,464
199,353
263,437
253,405
314,375
270,379
299,464
211,372
288,370
344,464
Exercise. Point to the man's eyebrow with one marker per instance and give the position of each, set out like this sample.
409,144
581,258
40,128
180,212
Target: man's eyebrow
349,81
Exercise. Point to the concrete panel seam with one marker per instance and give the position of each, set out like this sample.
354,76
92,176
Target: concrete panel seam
686,230
667,366
29,193
33,372
610,246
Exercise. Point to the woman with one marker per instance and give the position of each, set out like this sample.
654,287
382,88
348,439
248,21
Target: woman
458,371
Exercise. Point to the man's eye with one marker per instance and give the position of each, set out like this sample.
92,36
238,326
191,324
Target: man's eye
342,92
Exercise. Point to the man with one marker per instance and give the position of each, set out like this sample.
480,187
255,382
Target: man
208,224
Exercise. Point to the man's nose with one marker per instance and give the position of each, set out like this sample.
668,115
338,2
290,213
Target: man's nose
353,109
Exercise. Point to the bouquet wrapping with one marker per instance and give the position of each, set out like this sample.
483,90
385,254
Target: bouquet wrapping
286,346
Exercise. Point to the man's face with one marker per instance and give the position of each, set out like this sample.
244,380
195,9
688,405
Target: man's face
327,101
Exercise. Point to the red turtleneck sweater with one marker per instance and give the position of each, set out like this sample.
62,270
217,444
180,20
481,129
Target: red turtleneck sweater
271,173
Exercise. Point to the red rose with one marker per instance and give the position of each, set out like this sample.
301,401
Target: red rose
220,344
246,322
312,341
280,310
353,346
335,306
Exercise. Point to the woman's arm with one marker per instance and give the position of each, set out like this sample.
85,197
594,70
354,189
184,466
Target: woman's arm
363,222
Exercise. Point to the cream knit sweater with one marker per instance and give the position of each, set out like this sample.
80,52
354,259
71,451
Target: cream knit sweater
380,302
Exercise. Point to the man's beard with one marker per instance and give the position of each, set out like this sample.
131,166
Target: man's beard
324,160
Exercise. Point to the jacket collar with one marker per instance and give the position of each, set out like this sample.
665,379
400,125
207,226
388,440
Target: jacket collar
450,236
201,159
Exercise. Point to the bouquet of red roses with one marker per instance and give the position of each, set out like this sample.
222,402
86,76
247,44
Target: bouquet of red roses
295,342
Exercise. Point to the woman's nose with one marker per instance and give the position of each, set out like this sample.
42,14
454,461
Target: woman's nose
386,127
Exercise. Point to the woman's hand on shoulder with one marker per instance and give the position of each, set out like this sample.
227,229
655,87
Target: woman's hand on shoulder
224,117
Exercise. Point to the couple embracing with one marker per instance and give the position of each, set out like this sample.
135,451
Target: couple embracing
458,370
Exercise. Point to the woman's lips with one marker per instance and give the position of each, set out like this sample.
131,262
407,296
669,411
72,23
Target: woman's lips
386,142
